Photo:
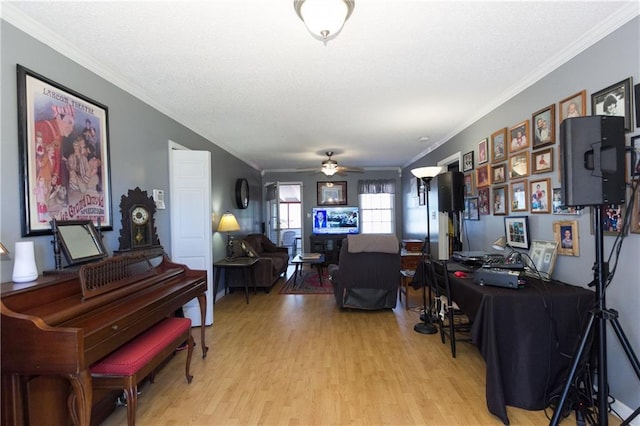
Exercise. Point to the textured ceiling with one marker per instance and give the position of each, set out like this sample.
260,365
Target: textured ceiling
247,75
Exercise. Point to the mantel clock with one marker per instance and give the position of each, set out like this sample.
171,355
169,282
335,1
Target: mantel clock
138,227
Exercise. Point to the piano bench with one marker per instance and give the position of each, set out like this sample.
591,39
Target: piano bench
132,362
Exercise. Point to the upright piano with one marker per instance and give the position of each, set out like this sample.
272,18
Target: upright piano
62,323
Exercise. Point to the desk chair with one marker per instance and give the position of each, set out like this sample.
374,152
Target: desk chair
452,320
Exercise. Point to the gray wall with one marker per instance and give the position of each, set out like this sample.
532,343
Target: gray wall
611,60
139,136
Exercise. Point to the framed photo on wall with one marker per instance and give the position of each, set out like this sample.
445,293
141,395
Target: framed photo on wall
542,161
519,137
634,169
519,165
499,173
612,218
635,216
469,187
500,200
540,195
519,196
483,178
483,200
565,233
483,151
64,152
517,231
614,100
574,106
499,145
332,193
471,210
543,123
467,161
558,207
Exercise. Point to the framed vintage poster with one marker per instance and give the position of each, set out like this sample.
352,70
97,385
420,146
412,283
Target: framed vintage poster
499,145
467,161
483,200
519,137
519,165
573,106
500,200
612,219
64,155
517,231
471,211
499,173
543,256
565,233
483,178
543,123
614,100
558,207
483,151
540,191
519,196
469,187
542,161
332,193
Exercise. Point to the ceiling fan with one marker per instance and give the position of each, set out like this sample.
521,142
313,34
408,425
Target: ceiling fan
330,167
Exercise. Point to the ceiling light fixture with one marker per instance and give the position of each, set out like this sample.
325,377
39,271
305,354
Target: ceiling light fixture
329,167
324,18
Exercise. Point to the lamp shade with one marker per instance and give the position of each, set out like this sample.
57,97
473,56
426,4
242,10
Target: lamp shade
324,18
500,244
427,172
3,250
228,223
24,267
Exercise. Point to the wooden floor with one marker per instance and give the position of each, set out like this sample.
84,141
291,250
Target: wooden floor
298,360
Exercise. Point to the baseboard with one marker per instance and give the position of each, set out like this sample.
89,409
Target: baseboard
625,412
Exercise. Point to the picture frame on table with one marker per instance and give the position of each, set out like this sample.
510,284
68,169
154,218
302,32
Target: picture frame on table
634,168
499,173
469,187
543,256
517,231
519,138
332,193
557,205
540,191
542,161
471,210
467,161
483,178
519,165
565,233
500,200
612,216
614,100
543,123
483,201
499,145
483,151
519,195
573,106
63,139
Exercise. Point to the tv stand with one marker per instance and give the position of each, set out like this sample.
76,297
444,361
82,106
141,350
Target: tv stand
327,244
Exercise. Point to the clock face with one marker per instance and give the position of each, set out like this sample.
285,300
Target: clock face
139,215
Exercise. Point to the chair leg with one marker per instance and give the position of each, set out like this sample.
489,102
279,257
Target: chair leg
439,307
452,335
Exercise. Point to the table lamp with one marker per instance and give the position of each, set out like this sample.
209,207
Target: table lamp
228,224
501,244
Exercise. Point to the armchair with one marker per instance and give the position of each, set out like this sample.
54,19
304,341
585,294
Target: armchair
368,273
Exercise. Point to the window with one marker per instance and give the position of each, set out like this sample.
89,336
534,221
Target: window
377,213
290,214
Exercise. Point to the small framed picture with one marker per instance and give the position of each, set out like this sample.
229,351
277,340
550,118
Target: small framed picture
483,200
635,216
471,210
519,137
558,207
542,161
519,165
543,123
483,151
543,256
517,231
500,200
540,195
469,187
467,161
614,100
612,218
519,196
573,106
483,178
499,146
499,173
565,233
634,168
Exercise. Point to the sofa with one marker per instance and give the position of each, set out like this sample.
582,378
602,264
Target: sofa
272,260
368,273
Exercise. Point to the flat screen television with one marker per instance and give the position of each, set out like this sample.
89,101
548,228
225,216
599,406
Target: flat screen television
337,220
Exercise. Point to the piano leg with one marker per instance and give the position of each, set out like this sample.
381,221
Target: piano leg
81,398
202,300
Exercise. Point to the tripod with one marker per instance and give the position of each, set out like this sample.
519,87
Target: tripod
597,323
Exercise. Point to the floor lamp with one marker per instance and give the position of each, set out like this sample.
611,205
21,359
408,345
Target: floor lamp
426,174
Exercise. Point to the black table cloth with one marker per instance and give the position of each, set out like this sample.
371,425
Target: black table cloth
527,337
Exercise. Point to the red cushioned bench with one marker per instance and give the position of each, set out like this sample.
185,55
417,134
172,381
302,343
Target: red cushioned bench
125,367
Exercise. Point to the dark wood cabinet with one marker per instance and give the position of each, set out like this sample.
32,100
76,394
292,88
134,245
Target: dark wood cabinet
329,245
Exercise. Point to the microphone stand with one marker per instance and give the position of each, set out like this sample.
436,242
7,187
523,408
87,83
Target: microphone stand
426,327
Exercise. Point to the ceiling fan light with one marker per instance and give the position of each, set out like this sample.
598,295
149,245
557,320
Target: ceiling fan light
330,169
324,18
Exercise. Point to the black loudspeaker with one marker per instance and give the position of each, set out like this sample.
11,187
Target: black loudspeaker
451,192
592,160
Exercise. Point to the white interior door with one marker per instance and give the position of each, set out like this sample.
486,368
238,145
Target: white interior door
190,195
